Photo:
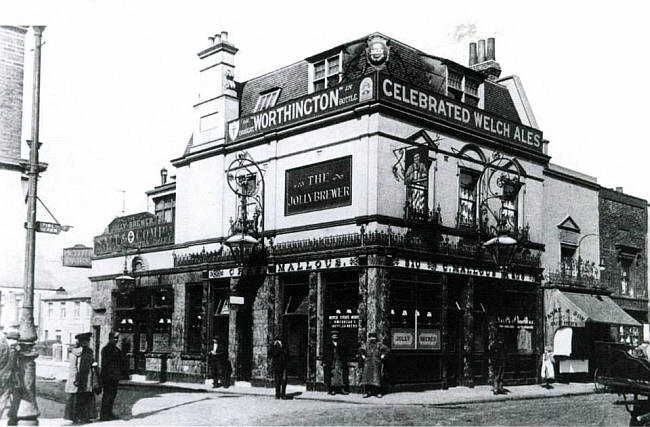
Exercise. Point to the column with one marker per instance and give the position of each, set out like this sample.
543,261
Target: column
467,299
262,331
377,284
233,338
312,327
443,329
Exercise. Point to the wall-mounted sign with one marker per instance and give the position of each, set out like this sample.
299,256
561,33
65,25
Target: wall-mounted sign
235,300
343,321
318,186
301,109
462,269
402,338
140,230
440,107
512,322
77,256
287,267
428,339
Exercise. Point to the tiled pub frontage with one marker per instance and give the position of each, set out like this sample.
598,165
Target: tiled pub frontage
438,308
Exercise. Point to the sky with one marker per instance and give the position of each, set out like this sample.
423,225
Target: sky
119,79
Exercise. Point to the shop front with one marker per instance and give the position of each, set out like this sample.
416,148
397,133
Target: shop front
575,320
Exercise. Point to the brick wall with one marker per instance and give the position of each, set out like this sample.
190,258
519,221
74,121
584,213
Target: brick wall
12,55
623,235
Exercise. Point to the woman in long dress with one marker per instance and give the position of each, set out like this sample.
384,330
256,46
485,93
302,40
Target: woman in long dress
81,406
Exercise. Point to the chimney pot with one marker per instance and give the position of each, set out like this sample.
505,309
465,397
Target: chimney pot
472,54
619,189
217,38
211,40
224,36
481,51
163,176
490,49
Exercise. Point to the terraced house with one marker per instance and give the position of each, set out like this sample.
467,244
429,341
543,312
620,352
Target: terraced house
371,187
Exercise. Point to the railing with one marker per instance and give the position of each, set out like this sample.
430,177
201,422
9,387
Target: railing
576,273
425,215
447,245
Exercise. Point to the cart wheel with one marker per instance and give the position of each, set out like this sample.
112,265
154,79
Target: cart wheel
598,388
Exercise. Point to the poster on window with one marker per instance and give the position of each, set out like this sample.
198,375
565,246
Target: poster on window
429,339
402,338
126,342
161,343
143,343
344,321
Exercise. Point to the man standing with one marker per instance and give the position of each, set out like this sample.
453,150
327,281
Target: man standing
279,368
373,355
335,365
111,375
219,364
10,381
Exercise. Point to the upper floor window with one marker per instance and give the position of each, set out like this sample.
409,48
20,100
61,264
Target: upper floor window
416,178
467,183
165,208
626,289
50,310
568,265
327,73
463,88
63,314
77,309
267,99
509,213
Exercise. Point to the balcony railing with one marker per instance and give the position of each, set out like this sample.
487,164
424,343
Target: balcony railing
447,245
576,273
423,216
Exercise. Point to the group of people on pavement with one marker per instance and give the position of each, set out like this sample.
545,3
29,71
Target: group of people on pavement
84,380
372,357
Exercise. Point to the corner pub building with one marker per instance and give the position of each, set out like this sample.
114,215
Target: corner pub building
371,187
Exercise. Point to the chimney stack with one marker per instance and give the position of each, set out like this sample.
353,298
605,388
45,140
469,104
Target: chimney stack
473,59
484,62
481,51
490,49
163,176
619,189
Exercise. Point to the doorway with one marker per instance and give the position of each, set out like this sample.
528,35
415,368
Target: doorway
295,321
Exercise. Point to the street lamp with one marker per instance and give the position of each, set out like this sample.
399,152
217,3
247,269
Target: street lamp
246,179
499,182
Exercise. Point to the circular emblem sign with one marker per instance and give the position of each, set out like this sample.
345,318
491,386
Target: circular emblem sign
130,237
377,50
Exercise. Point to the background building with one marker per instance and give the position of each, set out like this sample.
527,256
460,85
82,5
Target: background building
62,316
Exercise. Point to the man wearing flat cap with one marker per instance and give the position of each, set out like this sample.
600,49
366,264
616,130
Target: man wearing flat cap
335,365
373,354
10,381
279,363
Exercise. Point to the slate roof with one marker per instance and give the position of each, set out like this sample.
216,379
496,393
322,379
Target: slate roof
405,62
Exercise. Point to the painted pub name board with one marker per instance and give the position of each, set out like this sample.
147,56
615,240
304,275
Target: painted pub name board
346,262
440,107
323,185
302,109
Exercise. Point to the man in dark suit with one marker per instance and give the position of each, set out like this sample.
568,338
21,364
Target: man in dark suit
335,364
278,359
111,375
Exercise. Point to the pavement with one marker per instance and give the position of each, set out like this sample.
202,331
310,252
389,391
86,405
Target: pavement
429,398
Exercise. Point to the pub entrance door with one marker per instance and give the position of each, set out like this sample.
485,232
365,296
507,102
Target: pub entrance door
295,325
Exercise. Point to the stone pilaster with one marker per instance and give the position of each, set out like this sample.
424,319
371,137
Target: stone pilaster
262,330
444,327
363,305
467,298
378,290
312,323
233,332
539,325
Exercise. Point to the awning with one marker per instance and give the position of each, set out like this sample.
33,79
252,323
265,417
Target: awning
574,309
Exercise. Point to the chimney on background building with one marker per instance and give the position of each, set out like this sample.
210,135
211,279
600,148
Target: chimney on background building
163,176
484,61
619,189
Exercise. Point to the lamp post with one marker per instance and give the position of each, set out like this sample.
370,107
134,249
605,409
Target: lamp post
27,407
499,181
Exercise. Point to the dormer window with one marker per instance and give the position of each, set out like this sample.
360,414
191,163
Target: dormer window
463,88
327,73
267,99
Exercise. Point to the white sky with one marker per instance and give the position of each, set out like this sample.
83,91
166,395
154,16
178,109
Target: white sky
119,81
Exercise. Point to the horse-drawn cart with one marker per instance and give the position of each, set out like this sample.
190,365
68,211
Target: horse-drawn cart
618,371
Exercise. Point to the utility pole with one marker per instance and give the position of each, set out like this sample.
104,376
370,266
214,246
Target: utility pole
28,409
